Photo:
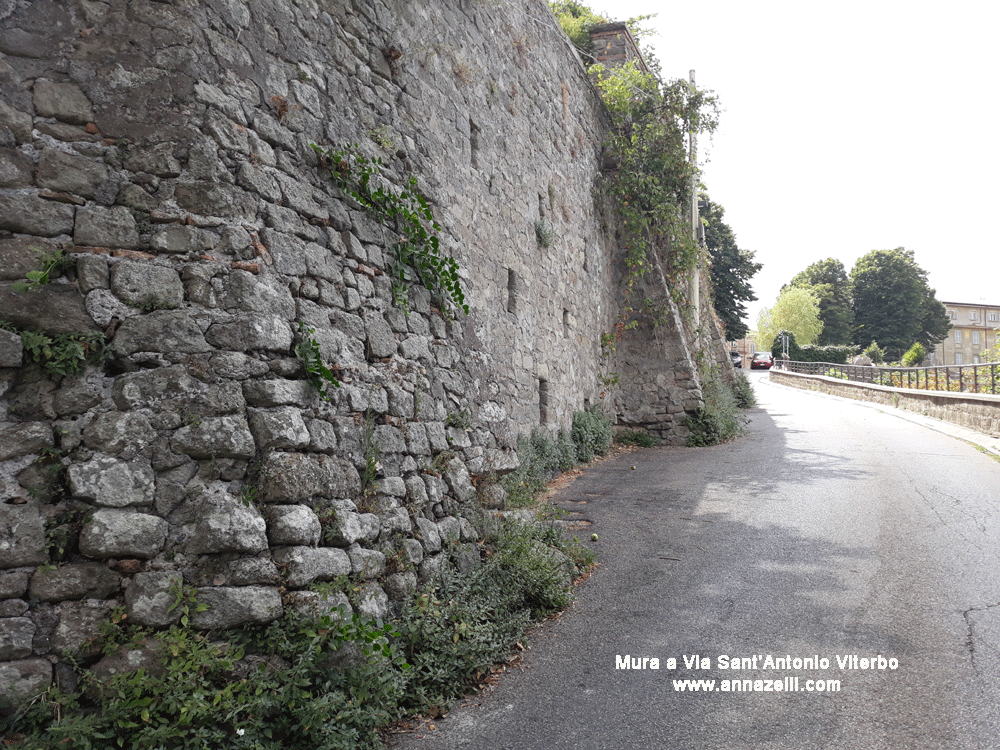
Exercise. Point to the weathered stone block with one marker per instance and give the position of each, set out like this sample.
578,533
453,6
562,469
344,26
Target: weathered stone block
373,601
22,536
251,293
29,214
266,332
229,607
63,101
296,477
450,530
278,392
215,437
367,563
77,581
24,438
459,480
180,238
113,482
70,173
157,159
91,272
150,598
80,625
15,168
226,524
119,432
282,428
432,567
400,587
293,525
428,534
13,583
22,680
303,565
15,638
123,533
416,439
54,308
336,606
216,199
147,285
172,389
172,331
101,226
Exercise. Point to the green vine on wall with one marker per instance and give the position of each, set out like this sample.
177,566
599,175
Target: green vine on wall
418,250
652,185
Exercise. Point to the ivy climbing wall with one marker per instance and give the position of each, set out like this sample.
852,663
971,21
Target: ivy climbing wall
206,377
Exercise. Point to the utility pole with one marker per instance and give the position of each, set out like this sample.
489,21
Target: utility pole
695,272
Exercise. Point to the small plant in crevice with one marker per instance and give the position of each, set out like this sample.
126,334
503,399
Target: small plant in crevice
461,419
545,235
319,375
52,265
62,353
417,254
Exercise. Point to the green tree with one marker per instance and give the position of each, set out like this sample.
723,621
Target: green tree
731,271
829,280
894,305
795,310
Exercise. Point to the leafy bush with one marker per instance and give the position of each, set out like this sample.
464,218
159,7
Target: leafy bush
640,438
592,434
914,356
875,353
719,419
743,392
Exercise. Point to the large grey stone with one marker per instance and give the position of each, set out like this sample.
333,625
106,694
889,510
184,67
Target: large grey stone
70,173
372,601
123,533
181,238
150,598
293,525
161,331
282,428
15,638
20,681
216,199
297,477
427,532
22,535
459,480
63,101
24,439
227,436
15,168
345,529
29,214
103,307
380,338
113,482
147,285
279,392
128,433
366,563
400,587
336,605
226,524
18,255
80,624
262,331
156,159
252,293
53,308
229,607
303,565
173,389
76,581
450,530
100,226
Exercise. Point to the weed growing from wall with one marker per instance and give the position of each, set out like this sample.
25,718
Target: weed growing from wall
319,375
62,353
417,254
52,265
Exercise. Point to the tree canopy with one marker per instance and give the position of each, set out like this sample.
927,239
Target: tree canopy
795,310
894,305
829,281
732,269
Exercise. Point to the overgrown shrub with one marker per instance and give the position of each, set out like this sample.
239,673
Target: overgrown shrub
719,420
592,434
743,392
307,683
914,356
875,353
640,438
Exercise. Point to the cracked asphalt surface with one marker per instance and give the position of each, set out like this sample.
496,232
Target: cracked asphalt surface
831,529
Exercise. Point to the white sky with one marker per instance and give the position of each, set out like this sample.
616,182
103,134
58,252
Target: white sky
847,127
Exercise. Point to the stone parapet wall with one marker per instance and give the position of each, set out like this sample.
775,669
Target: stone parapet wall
978,412
166,149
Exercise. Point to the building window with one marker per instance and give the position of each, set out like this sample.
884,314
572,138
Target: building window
958,358
951,314
993,317
972,314
975,360
975,337
958,335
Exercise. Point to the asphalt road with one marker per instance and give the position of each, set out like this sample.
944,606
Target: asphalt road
832,529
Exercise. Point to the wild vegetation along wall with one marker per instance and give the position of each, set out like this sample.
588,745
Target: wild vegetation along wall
199,278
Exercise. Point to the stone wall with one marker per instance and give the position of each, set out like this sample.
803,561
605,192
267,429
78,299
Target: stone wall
980,412
165,147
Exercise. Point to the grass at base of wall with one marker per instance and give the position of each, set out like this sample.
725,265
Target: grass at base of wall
307,683
720,419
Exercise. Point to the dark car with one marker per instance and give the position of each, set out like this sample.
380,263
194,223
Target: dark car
736,358
761,361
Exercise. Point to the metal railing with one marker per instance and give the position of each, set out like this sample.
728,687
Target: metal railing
981,378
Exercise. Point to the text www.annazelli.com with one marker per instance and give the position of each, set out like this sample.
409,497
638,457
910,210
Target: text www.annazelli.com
786,685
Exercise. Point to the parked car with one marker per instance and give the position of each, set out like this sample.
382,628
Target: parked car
761,361
737,358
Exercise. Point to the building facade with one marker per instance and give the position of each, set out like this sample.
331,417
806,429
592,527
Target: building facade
972,336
